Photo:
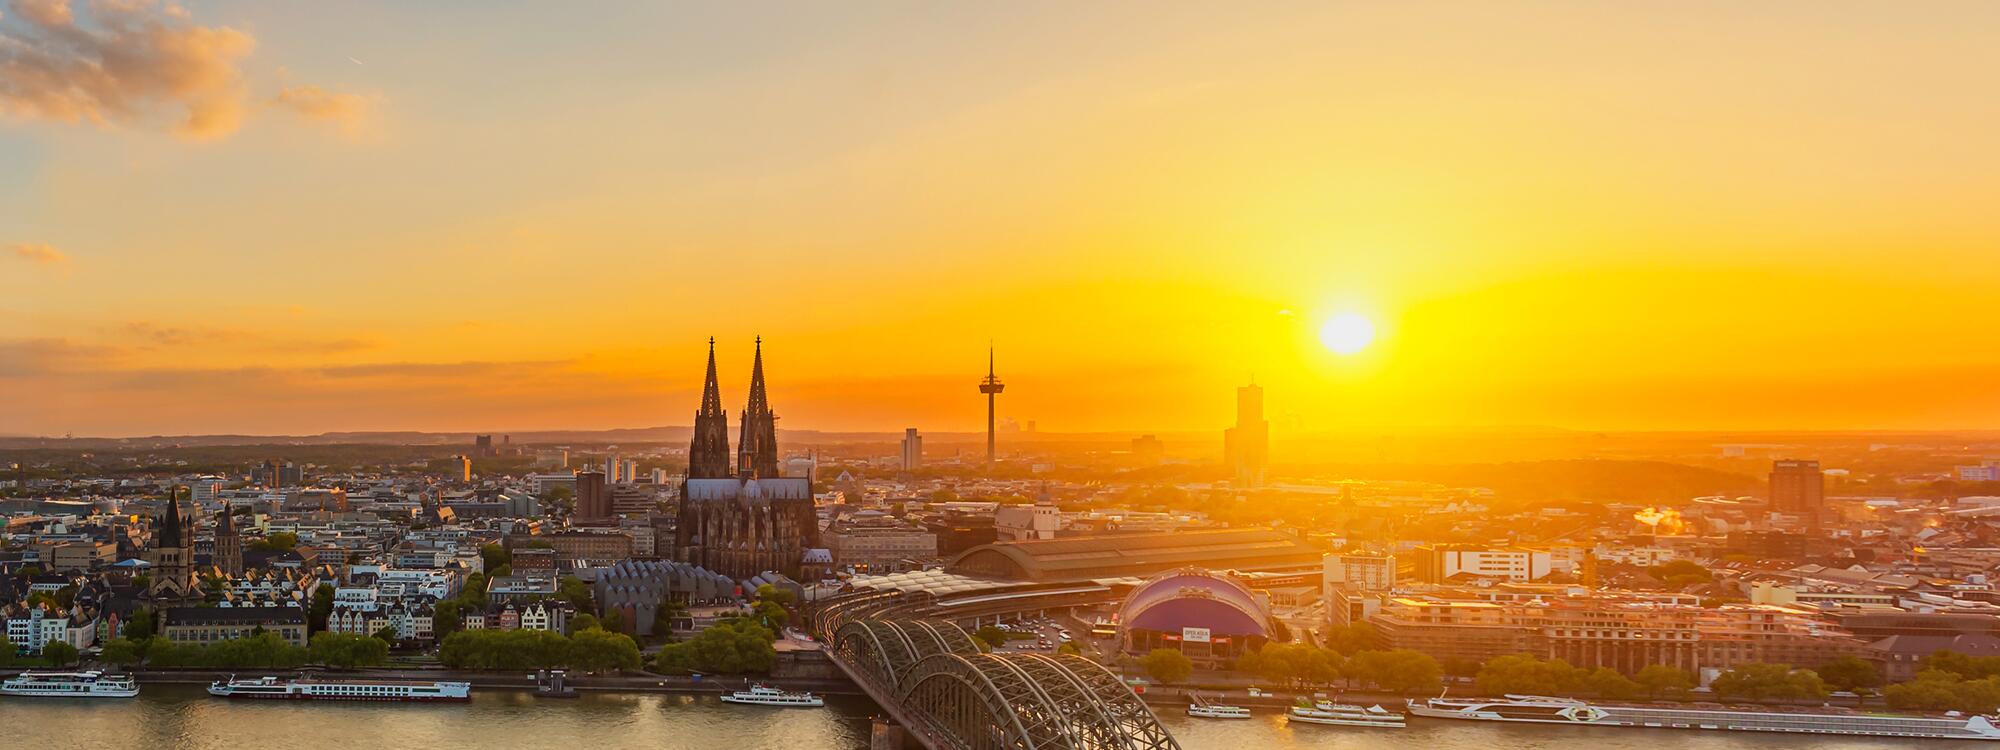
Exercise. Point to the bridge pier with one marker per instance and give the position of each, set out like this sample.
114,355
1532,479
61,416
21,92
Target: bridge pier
887,735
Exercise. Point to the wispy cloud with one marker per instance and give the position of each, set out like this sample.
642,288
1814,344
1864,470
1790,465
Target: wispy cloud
151,336
125,63
43,255
344,111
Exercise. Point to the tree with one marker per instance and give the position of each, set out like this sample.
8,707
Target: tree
121,652
1069,648
499,572
1661,680
993,636
1166,665
322,607
8,653
770,593
1756,681
577,593
1400,671
59,653
347,650
1938,690
473,593
1967,667
1348,639
734,646
1850,673
599,650
770,614
1606,682
140,627
388,634
280,541
447,618
1525,674
585,621
670,609
493,556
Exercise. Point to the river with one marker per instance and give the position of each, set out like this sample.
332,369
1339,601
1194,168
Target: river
185,718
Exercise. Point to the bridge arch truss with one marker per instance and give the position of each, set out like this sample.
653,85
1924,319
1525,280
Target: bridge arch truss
972,700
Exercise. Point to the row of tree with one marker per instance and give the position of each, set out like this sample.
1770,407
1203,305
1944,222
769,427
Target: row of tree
593,649
1300,665
256,651
54,654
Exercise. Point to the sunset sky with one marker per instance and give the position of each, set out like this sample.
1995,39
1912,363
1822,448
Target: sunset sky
293,217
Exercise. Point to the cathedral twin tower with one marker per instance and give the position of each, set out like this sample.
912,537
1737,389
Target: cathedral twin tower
757,445
751,520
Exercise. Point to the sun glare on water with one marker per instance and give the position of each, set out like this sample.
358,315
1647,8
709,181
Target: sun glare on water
1347,333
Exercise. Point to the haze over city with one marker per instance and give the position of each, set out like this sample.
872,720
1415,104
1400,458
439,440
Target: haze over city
285,219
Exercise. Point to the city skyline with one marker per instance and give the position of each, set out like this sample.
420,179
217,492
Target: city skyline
1773,226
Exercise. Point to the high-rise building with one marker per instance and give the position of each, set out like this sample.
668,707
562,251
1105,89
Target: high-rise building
1799,488
277,474
459,468
612,469
754,520
913,449
593,503
992,387
1246,447
482,446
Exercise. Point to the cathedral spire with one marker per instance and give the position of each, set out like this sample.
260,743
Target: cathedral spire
757,445
708,456
170,525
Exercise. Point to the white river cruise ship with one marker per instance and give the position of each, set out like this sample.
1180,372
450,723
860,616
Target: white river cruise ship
91,684
272,688
759,695
1544,710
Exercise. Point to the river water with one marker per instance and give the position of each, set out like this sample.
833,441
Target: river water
175,717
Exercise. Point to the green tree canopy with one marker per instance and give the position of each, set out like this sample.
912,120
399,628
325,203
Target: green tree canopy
1660,680
347,650
1850,673
735,646
59,653
1757,681
1167,666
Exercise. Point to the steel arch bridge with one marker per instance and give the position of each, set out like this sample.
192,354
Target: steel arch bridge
966,699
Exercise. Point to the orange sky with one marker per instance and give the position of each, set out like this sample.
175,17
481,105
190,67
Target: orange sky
1716,215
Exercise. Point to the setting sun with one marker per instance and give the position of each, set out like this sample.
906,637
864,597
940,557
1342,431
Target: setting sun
1347,333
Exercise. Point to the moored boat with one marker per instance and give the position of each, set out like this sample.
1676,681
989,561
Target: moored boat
1536,709
272,688
1200,708
88,684
759,695
1345,714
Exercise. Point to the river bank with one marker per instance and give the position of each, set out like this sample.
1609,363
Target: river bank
622,683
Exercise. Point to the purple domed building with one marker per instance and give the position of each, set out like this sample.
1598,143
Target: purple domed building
1208,617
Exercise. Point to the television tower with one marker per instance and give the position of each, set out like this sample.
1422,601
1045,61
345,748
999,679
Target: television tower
991,386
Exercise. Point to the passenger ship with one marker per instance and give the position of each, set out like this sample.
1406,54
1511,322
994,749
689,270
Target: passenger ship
759,695
272,688
1544,710
1346,715
92,684
1200,708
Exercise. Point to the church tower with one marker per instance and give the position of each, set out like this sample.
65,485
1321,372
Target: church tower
757,448
172,576
708,456
228,545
